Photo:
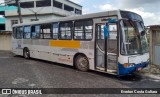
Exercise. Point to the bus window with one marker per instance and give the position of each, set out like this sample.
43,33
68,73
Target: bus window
78,30
35,32
19,33
66,30
88,29
55,30
46,31
27,32
83,30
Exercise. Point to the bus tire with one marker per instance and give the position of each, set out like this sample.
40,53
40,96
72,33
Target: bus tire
26,53
82,63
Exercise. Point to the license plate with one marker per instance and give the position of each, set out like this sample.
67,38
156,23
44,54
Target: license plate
138,69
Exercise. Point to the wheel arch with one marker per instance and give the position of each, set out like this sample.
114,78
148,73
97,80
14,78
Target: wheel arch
25,48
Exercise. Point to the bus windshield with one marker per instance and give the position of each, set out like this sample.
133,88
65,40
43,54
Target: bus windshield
134,39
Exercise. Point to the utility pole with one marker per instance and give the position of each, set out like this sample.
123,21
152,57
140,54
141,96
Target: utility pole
19,11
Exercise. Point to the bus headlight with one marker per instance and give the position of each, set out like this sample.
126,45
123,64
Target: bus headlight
129,65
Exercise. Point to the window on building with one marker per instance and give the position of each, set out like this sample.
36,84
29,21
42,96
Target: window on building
27,32
43,3
68,8
27,4
57,4
12,4
19,34
35,32
83,29
14,22
45,31
32,20
77,11
55,30
66,30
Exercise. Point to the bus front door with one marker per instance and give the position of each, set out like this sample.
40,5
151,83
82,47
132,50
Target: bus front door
106,50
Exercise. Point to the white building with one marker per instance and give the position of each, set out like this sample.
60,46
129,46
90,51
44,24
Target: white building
40,10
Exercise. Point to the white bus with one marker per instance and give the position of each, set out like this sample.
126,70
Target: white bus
112,42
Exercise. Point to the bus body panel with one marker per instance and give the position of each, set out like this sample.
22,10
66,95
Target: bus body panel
139,62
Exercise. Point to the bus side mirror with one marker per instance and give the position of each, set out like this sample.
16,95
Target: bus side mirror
106,32
111,28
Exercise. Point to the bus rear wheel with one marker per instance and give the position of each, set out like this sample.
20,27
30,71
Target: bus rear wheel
82,63
26,53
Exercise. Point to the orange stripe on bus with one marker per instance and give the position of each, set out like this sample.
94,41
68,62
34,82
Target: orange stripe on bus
65,43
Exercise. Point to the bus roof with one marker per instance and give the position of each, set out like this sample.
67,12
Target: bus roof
86,16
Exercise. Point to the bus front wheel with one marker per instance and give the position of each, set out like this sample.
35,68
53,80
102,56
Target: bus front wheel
26,53
82,63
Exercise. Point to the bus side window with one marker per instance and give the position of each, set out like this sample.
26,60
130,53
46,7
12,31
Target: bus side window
35,32
66,30
88,27
19,33
27,32
78,30
83,30
55,30
45,31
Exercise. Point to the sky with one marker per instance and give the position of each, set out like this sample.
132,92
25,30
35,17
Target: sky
148,9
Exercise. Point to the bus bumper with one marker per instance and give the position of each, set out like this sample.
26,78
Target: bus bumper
125,71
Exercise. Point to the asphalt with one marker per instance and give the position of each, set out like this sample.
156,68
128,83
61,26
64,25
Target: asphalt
17,72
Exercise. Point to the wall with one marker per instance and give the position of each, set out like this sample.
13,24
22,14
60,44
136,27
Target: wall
154,50
27,19
5,41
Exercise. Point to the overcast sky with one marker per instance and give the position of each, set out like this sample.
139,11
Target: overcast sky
148,9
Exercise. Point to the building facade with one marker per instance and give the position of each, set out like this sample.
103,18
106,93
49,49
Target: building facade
35,10
2,19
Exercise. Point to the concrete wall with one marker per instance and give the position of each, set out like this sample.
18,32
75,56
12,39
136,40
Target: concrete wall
5,41
154,51
27,19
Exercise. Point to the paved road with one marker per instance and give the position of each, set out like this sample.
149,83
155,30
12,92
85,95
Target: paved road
17,72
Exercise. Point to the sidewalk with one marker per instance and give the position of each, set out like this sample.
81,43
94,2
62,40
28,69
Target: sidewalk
151,72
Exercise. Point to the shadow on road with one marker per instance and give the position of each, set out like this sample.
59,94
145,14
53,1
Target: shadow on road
131,77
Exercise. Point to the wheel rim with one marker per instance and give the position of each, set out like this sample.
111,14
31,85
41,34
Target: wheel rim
83,62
